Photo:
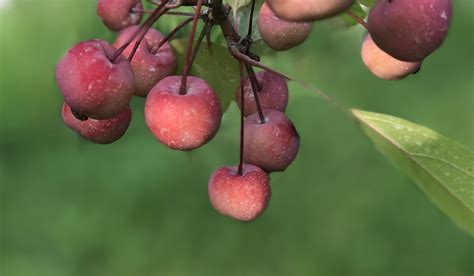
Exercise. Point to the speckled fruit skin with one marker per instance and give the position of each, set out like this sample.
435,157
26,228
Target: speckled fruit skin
118,14
272,146
274,94
91,84
384,65
149,68
98,131
410,30
279,34
308,10
241,197
183,122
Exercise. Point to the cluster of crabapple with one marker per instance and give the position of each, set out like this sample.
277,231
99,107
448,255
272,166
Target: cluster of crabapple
401,33
184,113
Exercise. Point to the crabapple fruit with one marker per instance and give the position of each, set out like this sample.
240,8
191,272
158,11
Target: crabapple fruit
384,65
272,145
118,14
280,34
91,83
149,67
98,131
410,30
274,94
308,10
242,197
183,122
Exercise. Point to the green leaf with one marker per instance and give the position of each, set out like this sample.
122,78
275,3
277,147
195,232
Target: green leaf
441,167
216,66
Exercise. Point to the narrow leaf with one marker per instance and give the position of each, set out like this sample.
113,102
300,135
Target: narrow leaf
441,167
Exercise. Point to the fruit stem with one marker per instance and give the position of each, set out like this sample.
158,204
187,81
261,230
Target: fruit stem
242,118
253,83
188,14
126,44
204,31
187,64
139,41
358,19
253,77
249,33
171,34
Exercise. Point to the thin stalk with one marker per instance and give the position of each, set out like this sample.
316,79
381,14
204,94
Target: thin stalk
249,33
149,19
358,19
187,64
137,44
242,118
171,34
204,30
253,83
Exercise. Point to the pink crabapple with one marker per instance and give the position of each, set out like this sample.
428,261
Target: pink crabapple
149,67
118,14
91,83
384,65
272,145
410,30
98,131
274,94
183,122
280,34
241,197
308,10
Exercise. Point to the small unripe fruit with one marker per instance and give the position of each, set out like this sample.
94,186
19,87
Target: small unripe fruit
118,14
183,122
280,34
384,65
273,145
91,83
148,67
308,10
274,94
241,197
98,131
410,30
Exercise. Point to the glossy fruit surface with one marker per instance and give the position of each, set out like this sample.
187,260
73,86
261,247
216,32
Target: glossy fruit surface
384,65
149,66
242,197
118,14
91,83
280,34
183,122
272,146
274,94
98,131
410,30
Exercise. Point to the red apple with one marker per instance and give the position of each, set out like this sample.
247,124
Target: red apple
280,34
384,65
148,66
308,10
273,145
91,83
242,197
183,122
118,14
274,94
410,30
98,131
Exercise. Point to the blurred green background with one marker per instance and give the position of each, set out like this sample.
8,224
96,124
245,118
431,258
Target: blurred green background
70,207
